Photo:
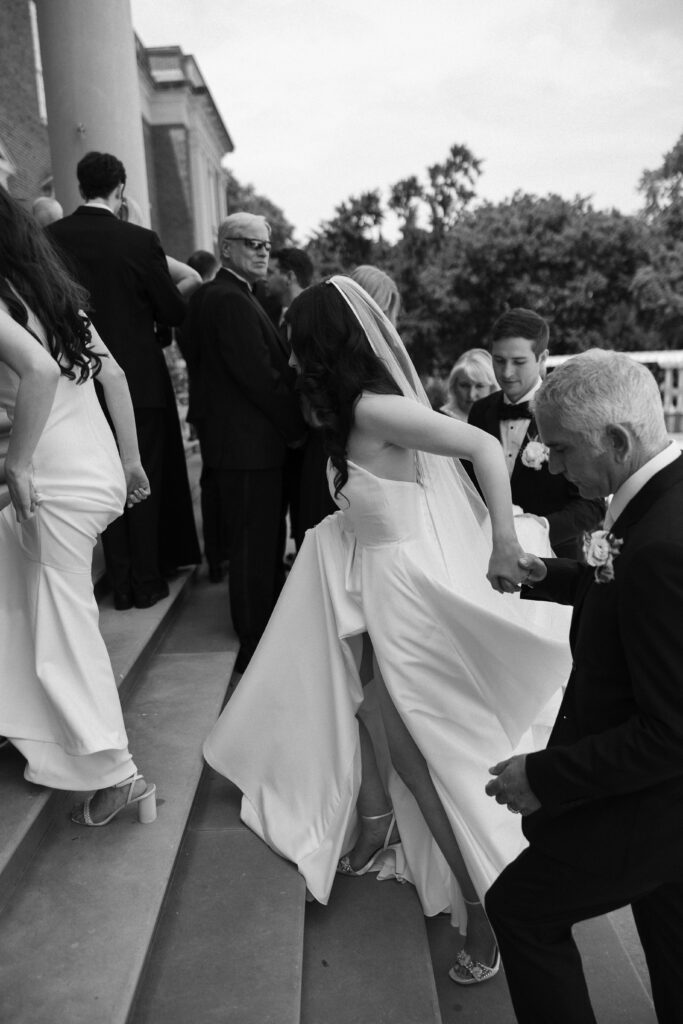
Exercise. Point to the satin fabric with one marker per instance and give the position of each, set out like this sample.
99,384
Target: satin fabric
468,670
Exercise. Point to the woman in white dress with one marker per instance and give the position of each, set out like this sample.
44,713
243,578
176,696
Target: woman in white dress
58,699
461,670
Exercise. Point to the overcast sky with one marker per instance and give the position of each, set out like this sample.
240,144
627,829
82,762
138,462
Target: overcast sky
328,98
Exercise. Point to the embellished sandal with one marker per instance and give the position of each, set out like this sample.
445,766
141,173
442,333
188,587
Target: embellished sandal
465,970
147,804
344,865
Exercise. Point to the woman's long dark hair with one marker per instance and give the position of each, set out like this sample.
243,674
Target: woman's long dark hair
336,364
33,277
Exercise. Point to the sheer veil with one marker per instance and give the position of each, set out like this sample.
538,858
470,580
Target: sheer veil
457,514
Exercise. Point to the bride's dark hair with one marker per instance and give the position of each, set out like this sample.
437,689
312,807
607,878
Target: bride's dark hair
33,277
336,365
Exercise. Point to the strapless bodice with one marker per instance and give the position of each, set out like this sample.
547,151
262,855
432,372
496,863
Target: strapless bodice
377,511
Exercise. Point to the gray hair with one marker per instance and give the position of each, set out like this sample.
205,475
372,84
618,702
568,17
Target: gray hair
239,225
477,364
597,389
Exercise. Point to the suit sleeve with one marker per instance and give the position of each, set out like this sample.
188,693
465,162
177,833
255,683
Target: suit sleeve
577,515
561,583
647,748
167,302
262,374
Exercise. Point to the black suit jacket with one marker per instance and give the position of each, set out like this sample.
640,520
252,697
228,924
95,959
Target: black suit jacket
125,271
611,780
538,491
246,394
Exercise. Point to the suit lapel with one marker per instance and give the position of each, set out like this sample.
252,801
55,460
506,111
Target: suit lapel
653,489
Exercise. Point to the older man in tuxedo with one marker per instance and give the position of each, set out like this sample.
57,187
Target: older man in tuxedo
603,804
125,271
251,418
519,348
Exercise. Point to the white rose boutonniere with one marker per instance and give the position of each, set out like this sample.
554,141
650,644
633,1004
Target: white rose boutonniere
600,549
535,454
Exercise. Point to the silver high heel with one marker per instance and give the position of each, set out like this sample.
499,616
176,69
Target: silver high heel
147,804
344,865
465,970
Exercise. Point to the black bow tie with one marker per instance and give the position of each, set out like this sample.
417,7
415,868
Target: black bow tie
515,412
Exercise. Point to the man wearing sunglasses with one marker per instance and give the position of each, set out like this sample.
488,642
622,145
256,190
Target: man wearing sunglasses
251,416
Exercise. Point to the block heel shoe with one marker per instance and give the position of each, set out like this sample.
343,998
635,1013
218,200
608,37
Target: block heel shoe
146,801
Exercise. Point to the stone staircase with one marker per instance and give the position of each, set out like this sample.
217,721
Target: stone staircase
192,920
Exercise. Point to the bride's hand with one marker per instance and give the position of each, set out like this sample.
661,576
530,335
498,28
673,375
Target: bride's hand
137,484
505,573
22,492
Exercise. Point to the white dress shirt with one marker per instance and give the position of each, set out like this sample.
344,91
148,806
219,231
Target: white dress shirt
628,490
513,432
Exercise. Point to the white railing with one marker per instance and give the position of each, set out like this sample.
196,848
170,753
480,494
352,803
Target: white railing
667,367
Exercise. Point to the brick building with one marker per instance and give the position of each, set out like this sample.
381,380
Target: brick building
184,135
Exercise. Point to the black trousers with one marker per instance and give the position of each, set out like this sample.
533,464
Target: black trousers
131,542
213,519
251,501
532,907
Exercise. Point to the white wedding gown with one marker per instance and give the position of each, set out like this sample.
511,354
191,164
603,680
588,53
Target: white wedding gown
59,703
466,677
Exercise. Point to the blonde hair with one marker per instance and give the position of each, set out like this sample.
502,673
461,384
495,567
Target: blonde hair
478,366
379,287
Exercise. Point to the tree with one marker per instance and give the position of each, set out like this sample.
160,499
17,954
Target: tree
351,237
663,192
246,198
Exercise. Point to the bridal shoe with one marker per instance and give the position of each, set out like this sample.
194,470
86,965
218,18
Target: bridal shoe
466,971
344,865
147,804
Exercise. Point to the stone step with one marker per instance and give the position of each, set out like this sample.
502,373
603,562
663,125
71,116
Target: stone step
75,932
617,990
28,810
229,944
367,957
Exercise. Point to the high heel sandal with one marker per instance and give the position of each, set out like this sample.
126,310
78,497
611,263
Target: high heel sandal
466,971
344,865
147,804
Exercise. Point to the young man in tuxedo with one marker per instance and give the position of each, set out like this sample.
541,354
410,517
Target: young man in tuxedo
519,348
603,804
125,271
251,418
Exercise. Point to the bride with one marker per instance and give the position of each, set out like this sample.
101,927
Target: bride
461,671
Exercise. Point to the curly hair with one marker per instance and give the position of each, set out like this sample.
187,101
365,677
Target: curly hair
336,365
32,277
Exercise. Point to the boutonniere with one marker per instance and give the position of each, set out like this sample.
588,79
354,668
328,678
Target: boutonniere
600,549
534,454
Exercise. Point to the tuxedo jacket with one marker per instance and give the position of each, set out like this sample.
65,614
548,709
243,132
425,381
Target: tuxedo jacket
124,269
245,386
611,779
538,491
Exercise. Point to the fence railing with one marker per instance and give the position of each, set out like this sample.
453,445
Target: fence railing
667,367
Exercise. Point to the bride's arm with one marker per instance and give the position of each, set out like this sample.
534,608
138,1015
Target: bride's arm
38,376
117,396
402,422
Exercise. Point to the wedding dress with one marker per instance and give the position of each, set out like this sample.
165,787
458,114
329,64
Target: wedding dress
58,698
468,670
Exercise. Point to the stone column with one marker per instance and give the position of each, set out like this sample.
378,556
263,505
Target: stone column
92,92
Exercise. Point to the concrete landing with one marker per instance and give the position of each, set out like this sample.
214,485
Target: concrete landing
229,944
366,957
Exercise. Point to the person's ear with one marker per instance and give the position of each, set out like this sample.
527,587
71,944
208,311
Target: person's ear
620,441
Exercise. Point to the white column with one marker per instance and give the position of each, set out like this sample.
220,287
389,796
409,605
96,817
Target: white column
91,91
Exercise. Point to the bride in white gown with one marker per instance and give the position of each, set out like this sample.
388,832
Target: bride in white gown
58,699
461,671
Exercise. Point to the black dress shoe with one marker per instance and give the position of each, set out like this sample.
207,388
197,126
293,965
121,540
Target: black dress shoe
151,597
123,600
